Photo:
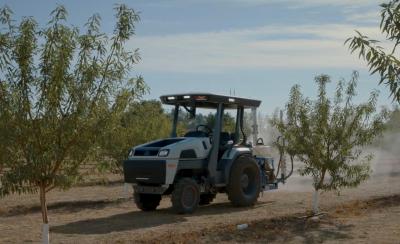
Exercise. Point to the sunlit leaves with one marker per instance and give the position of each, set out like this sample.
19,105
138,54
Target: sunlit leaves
60,88
328,134
384,63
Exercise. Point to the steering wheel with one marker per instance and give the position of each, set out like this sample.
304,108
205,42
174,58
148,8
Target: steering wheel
208,129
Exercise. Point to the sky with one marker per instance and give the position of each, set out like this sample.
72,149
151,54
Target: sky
250,48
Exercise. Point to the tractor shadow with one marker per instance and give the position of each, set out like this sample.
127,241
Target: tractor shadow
139,220
118,222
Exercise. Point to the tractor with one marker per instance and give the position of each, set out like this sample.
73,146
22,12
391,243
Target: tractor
194,167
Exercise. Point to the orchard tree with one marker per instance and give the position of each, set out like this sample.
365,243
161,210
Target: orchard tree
141,122
59,87
228,121
384,62
328,135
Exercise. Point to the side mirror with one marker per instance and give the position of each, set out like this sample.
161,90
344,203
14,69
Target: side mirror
230,142
260,142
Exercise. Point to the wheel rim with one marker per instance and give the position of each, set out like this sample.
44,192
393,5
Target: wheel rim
248,181
244,181
188,197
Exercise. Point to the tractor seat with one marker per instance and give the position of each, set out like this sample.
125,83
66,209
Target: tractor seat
224,138
223,143
233,136
196,133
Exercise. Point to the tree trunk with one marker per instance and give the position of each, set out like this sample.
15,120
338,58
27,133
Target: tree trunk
43,204
315,202
126,192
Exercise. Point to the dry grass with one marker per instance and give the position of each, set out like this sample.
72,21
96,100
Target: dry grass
358,207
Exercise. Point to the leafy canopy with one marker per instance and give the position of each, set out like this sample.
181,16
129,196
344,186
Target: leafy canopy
383,62
59,87
327,134
141,122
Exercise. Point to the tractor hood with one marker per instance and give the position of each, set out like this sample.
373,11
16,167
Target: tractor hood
173,148
152,148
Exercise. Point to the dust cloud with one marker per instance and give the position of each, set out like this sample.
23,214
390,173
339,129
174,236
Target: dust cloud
385,164
386,161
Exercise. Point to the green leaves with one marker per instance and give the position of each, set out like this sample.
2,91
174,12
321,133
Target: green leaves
328,135
379,61
127,18
139,123
60,88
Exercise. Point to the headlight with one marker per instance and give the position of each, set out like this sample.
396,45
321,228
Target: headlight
131,153
163,153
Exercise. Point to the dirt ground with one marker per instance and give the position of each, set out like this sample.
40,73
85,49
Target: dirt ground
104,214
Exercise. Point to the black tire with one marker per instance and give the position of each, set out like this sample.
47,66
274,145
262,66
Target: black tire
206,199
147,202
186,196
244,182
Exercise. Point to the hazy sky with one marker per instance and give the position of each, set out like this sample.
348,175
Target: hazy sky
257,48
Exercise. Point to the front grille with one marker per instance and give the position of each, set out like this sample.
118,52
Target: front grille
144,171
146,152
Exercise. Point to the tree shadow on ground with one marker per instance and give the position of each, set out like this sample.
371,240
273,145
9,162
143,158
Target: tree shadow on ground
325,232
298,229
64,206
226,207
287,229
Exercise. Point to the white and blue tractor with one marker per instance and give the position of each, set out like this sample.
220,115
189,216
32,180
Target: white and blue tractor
194,167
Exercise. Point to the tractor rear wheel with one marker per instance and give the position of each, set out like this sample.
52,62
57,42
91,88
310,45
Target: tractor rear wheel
146,202
244,182
186,196
206,199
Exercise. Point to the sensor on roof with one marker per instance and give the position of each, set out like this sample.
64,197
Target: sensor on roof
200,98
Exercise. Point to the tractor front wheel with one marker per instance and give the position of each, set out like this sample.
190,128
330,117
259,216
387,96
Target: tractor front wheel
185,196
146,202
244,182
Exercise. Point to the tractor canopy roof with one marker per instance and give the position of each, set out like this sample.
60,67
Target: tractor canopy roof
208,100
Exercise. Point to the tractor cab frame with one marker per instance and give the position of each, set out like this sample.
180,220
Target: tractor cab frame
192,101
